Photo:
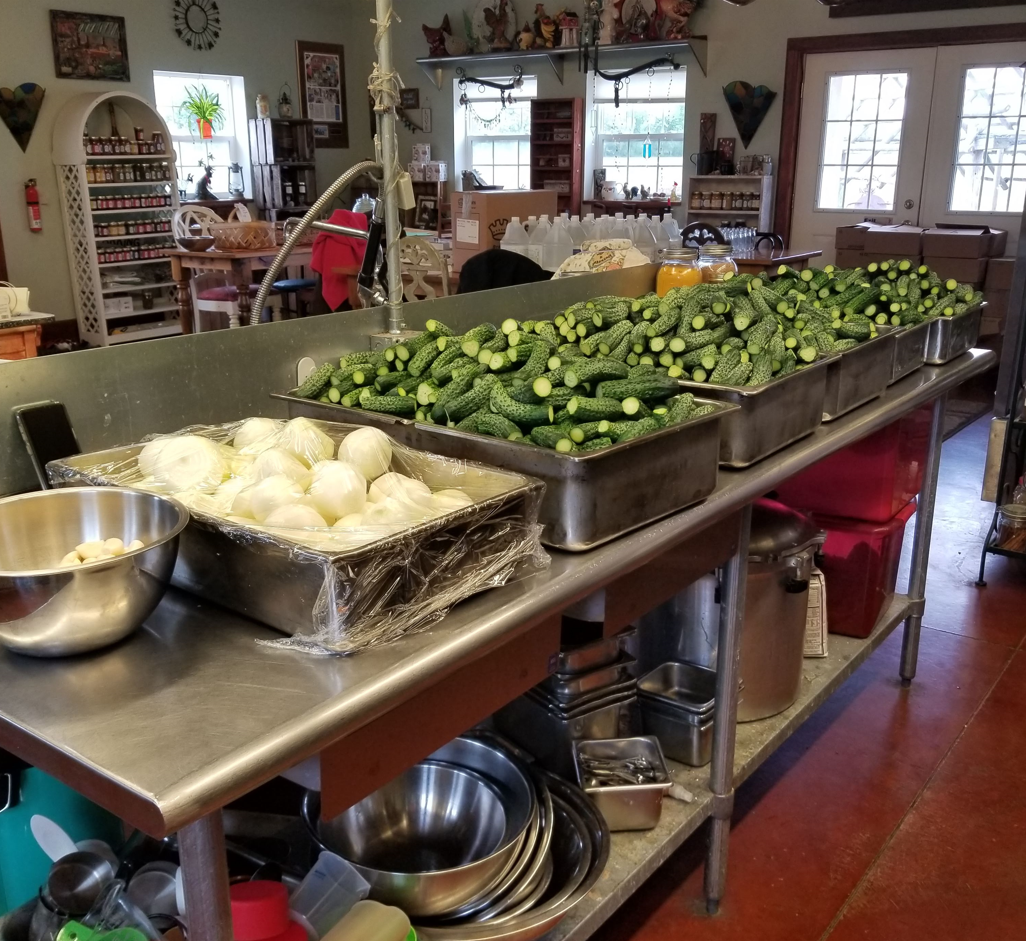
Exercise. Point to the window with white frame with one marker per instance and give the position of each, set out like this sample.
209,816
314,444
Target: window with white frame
641,142
492,138
989,174
230,141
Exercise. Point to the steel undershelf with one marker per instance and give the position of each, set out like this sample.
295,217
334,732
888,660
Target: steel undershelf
190,713
636,856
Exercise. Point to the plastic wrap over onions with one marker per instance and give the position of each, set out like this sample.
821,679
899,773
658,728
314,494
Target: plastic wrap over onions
341,553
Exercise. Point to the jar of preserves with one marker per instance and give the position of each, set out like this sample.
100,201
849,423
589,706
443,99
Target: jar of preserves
716,262
678,269
1011,527
696,200
717,200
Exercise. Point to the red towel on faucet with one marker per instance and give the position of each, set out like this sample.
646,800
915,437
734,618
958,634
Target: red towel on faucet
331,251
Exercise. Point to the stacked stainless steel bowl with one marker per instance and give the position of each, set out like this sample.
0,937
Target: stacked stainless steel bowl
472,843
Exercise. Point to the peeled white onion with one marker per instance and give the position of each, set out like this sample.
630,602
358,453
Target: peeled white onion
448,500
337,489
148,456
189,462
89,550
399,487
294,517
256,434
302,438
225,494
134,544
268,495
242,505
369,450
275,461
350,521
114,546
200,502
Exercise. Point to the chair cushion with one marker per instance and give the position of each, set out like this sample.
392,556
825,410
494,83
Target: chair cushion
295,284
226,292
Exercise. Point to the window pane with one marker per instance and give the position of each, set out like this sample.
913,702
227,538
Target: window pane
507,151
1007,91
861,140
481,152
979,87
671,148
507,177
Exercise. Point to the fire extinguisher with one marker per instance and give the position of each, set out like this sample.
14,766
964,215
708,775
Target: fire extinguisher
32,201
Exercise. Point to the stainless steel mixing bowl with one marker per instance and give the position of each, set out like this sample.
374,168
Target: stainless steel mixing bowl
47,610
427,842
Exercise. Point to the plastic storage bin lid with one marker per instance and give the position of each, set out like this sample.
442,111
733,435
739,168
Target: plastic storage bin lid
260,910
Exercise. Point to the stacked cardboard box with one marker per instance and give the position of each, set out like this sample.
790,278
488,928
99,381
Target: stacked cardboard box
962,252
995,290
479,218
858,245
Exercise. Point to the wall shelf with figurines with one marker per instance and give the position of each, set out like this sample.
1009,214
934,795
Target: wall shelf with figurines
492,35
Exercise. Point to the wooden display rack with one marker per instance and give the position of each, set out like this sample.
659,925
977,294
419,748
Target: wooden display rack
557,149
760,219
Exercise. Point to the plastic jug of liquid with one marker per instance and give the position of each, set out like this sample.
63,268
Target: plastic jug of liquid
558,246
662,239
537,239
589,224
644,240
617,230
577,233
515,239
370,921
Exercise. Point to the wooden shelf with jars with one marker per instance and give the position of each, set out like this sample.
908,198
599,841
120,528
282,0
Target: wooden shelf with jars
118,195
284,177
725,198
557,149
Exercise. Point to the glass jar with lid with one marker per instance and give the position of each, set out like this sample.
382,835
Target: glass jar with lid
1011,527
716,261
678,269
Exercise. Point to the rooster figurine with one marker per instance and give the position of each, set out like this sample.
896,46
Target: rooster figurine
674,16
544,28
498,23
525,38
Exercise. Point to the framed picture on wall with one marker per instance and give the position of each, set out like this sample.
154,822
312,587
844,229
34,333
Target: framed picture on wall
89,46
322,91
427,212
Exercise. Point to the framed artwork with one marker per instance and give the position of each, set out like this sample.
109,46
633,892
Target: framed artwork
427,212
409,98
89,46
322,91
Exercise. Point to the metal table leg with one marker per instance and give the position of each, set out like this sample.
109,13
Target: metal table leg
205,876
921,546
721,773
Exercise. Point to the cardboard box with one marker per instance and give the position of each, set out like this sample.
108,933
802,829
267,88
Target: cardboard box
967,270
117,305
421,153
846,258
999,274
479,218
436,171
964,241
892,241
416,171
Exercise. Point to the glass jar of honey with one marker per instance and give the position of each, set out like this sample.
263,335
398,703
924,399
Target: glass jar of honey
716,261
678,269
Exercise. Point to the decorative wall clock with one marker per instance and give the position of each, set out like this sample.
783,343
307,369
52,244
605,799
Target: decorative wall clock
197,23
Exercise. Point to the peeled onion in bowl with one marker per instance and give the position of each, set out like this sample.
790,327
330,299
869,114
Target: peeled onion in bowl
369,450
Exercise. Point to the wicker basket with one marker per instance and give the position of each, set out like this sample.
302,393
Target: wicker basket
242,236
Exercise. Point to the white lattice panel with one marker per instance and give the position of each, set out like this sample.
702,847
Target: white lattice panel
82,253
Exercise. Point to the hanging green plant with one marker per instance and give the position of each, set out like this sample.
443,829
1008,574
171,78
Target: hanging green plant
204,108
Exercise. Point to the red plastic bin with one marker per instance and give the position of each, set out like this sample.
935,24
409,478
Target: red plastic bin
860,562
872,479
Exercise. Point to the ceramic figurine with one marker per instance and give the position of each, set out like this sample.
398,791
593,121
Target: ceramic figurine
498,23
645,192
635,24
544,28
610,23
525,38
456,45
436,38
674,15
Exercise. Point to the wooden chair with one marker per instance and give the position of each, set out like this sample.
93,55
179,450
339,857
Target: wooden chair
421,260
698,234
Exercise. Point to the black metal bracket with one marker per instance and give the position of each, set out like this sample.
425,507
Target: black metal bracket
504,88
618,78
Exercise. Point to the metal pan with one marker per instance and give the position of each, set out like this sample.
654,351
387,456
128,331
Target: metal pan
909,350
589,657
859,375
591,497
770,416
952,336
565,689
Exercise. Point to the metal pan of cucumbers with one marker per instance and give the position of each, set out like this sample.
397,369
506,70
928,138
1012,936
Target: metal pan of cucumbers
616,440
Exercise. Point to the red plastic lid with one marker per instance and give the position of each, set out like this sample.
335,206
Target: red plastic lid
260,910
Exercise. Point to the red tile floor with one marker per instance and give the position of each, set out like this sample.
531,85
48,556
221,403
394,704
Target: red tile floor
892,813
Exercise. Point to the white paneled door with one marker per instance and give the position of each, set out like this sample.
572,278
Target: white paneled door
911,135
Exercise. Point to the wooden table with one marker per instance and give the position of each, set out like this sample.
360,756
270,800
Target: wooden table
20,335
239,267
764,259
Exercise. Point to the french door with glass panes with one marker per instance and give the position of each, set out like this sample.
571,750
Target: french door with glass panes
911,135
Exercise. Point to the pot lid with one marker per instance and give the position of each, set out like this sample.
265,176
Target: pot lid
778,531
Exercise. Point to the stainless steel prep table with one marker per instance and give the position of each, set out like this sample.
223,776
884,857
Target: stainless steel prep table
190,713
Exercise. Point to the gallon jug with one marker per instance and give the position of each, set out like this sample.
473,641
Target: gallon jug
515,239
557,247
537,239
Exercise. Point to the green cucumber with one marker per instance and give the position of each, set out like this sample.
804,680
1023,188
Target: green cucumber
316,382
594,370
584,409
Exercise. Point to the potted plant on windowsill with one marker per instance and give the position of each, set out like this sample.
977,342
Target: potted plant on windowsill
204,107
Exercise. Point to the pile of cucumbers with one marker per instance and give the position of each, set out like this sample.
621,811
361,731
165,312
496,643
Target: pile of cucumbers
522,381
891,293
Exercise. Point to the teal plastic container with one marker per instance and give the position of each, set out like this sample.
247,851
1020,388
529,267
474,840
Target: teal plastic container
23,865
